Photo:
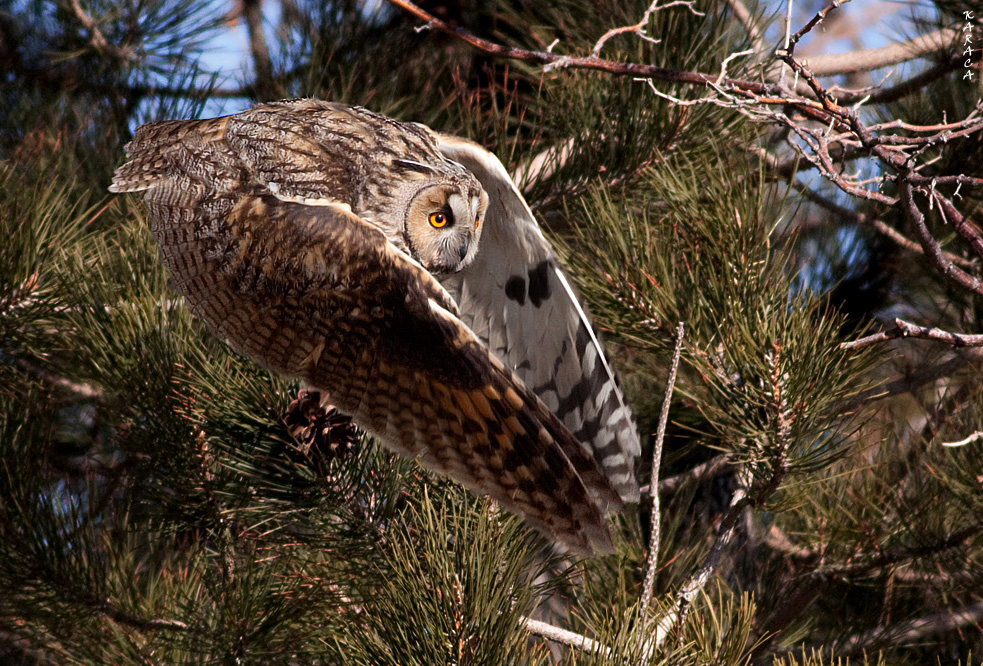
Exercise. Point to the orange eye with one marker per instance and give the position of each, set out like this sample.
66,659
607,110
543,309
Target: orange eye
476,224
437,220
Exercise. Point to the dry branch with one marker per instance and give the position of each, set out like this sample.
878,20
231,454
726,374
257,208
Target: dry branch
81,390
656,462
639,28
881,226
902,633
558,635
866,60
143,624
701,472
932,248
905,329
976,436
557,61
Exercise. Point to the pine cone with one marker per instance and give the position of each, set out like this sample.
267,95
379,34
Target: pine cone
322,431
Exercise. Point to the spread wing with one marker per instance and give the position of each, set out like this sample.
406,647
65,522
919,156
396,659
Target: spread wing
516,299
314,291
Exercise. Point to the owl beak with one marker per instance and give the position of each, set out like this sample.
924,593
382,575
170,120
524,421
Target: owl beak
464,248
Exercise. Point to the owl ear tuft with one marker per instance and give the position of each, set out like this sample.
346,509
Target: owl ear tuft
418,167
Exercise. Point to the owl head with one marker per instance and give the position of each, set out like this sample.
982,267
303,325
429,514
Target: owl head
443,208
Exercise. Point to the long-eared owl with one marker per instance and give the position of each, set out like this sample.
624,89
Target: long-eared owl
401,271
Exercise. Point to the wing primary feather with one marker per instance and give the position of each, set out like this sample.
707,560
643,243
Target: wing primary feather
522,305
590,331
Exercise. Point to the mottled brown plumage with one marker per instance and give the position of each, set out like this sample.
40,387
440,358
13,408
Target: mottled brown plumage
286,229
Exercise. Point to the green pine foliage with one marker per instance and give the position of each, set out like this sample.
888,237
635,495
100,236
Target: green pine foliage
156,509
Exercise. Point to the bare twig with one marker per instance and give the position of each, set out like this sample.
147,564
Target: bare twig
557,61
976,436
639,28
788,25
968,231
120,617
558,635
656,462
905,329
756,92
931,245
791,41
880,225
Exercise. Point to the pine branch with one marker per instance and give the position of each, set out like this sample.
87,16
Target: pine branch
866,60
252,13
908,87
660,434
143,624
901,554
81,390
809,587
903,633
916,380
904,329
97,40
702,472
558,635
743,15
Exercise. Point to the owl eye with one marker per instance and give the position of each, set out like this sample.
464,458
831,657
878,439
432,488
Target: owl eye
476,221
437,220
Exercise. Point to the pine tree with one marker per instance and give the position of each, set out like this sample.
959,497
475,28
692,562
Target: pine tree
165,501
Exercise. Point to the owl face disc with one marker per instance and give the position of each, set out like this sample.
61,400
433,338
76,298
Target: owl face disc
443,225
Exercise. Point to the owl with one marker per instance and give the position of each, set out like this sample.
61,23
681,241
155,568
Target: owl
400,271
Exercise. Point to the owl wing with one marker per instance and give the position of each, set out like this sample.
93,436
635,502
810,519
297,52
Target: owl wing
516,299
315,292
283,146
